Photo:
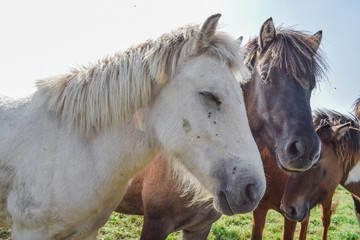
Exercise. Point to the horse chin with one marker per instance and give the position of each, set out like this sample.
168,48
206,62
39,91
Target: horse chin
282,167
221,204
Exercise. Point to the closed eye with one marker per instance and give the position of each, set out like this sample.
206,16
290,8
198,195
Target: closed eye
210,97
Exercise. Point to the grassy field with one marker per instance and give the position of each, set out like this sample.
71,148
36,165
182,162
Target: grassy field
343,224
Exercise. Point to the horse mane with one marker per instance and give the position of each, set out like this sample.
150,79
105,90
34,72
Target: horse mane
292,52
190,187
347,148
108,92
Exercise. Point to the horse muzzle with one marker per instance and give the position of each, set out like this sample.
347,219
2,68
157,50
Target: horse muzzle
298,155
243,198
294,212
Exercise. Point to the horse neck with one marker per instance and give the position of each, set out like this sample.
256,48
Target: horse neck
136,148
121,150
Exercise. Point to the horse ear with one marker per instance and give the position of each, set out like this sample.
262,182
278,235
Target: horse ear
357,108
207,32
267,34
239,40
316,40
338,131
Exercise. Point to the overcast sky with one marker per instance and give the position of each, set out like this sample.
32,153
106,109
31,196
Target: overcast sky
42,38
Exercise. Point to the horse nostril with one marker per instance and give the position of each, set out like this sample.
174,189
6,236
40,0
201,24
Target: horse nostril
295,149
292,211
251,192
316,158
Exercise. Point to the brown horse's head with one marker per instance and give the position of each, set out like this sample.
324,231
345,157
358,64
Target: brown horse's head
286,65
339,153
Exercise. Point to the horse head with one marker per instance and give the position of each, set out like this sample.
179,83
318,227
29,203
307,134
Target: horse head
285,65
199,115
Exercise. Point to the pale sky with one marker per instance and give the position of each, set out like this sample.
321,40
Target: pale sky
42,38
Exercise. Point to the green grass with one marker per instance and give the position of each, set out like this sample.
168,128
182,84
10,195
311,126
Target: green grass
343,225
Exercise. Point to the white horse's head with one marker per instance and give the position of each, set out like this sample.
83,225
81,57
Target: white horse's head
184,84
200,120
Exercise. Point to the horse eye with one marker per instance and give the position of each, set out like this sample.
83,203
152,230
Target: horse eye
265,79
209,97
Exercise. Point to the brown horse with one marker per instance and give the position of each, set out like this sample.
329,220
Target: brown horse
285,67
339,164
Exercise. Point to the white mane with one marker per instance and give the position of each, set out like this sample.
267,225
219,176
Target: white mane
109,92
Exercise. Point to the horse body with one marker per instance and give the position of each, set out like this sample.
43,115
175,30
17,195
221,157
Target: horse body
61,169
68,151
151,192
340,156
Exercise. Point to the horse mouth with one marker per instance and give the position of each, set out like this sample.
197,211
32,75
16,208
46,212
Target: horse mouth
285,169
223,204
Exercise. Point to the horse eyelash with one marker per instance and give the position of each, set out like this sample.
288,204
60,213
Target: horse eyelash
210,96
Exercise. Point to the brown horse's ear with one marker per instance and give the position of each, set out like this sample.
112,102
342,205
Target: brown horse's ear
315,40
338,131
267,34
207,33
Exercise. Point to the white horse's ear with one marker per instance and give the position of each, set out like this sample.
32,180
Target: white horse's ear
338,131
239,40
207,32
267,34
316,40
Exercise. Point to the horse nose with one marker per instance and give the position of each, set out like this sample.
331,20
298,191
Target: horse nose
252,192
295,212
241,197
292,212
295,149
304,154
315,155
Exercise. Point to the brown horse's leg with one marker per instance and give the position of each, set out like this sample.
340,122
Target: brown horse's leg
303,228
259,217
289,229
356,207
326,214
155,229
201,235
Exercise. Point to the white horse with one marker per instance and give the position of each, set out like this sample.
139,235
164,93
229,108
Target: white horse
66,150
